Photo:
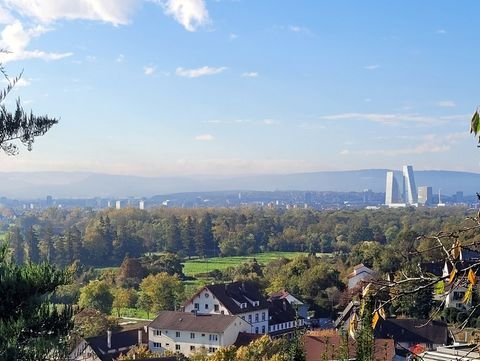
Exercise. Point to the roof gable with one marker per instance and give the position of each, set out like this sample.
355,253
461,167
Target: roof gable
239,297
186,321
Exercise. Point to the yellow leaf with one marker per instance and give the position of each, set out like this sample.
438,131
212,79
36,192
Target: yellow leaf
456,250
472,278
468,294
366,289
352,327
375,319
381,312
452,276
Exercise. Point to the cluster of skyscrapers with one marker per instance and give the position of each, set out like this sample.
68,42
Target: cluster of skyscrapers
410,195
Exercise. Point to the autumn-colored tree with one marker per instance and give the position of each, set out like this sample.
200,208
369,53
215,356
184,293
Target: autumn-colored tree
98,295
123,298
136,353
161,292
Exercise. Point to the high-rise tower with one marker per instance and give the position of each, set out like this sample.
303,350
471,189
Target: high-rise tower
409,188
392,195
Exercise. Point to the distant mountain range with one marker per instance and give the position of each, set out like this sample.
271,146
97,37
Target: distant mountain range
85,185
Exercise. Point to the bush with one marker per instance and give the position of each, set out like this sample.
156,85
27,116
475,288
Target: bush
461,316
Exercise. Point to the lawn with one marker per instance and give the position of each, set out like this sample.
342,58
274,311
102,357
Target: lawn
196,266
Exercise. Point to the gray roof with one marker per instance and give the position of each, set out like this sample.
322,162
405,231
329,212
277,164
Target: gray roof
186,321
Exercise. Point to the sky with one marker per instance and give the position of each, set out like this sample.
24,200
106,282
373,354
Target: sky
234,87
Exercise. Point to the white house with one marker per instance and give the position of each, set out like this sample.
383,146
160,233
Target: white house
241,299
360,273
454,296
300,306
188,332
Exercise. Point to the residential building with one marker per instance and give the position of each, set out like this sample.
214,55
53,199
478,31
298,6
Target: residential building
300,306
108,347
464,352
361,274
241,299
413,334
188,332
283,319
330,345
118,205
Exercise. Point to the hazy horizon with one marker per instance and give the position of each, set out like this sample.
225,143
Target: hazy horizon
168,88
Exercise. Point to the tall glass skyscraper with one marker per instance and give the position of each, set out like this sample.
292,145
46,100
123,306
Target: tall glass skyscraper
409,188
392,194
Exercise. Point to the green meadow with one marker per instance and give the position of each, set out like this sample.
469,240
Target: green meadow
202,265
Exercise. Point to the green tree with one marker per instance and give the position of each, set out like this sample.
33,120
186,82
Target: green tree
31,328
15,240
31,246
123,298
98,295
161,292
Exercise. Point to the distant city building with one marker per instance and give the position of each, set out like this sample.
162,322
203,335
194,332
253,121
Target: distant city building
459,196
392,194
409,187
425,195
118,204
49,201
141,205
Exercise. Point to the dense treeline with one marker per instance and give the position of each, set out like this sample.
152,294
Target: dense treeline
104,238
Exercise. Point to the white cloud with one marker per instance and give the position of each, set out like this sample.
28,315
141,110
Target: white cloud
441,31
198,72
393,118
371,67
15,38
116,12
149,70
232,36
120,58
250,74
190,13
446,104
21,83
269,122
205,137
299,29
429,143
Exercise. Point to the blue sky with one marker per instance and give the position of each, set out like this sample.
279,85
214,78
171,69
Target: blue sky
229,87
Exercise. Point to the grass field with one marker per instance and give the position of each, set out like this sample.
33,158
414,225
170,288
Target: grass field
196,266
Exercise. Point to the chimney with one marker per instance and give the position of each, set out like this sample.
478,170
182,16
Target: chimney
109,339
140,336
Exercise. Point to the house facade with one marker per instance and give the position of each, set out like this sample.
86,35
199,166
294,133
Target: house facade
241,299
189,332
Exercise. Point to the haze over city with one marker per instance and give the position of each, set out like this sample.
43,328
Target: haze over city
173,87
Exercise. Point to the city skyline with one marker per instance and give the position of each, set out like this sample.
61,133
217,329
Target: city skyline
227,88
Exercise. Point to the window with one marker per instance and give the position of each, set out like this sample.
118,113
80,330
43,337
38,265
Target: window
192,348
177,347
256,329
192,335
243,318
256,317
196,306
263,316
206,306
177,334
250,318
263,329
213,337
157,332
207,295
216,308
157,345
212,349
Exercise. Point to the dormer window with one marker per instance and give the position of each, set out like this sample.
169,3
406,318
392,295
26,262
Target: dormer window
243,305
256,303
